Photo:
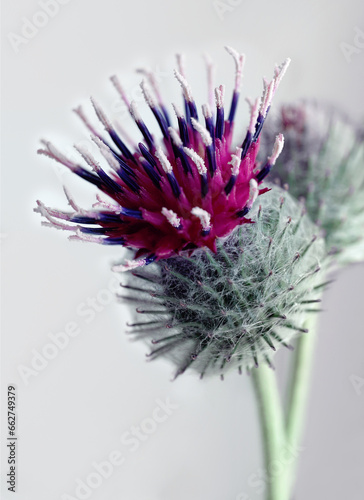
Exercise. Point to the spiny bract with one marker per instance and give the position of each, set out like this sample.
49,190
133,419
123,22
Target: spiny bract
323,164
211,311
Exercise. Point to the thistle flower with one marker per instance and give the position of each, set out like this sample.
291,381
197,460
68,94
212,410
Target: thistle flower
212,312
178,193
323,164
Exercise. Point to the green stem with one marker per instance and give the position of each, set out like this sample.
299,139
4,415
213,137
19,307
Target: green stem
298,394
282,436
272,422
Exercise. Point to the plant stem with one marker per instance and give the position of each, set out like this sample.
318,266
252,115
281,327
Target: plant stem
272,422
298,394
282,437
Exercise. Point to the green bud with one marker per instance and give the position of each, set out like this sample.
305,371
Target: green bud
212,312
323,164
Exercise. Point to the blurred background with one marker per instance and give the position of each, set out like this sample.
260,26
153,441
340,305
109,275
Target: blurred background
95,420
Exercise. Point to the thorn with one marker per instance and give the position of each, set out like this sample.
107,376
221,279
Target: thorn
296,257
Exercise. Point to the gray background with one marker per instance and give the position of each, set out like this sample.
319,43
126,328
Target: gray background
74,412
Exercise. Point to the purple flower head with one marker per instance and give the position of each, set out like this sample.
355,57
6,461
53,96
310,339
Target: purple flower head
171,195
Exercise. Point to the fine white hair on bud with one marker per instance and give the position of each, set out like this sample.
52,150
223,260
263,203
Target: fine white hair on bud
234,308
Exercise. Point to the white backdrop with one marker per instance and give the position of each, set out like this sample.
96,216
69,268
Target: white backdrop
78,409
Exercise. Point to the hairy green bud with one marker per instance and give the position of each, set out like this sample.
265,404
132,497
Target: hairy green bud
323,164
212,312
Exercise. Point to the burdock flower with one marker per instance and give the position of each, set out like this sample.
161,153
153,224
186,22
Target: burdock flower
323,164
172,195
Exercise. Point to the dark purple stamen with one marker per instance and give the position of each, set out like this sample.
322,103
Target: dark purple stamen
242,212
219,123
229,186
179,153
193,110
185,163
88,176
129,212
211,158
123,164
246,144
151,173
166,115
210,127
149,157
146,134
234,104
97,230
110,183
122,147
259,125
131,183
174,184
113,241
104,217
151,258
204,185
161,121
264,172
109,217
183,131
187,111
